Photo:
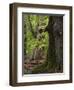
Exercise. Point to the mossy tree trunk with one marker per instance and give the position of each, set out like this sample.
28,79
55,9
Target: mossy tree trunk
51,54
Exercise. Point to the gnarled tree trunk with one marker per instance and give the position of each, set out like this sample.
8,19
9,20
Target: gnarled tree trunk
55,51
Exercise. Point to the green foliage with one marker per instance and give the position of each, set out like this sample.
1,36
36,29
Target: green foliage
33,24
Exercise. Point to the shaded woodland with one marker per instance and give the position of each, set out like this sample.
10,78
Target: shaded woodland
43,44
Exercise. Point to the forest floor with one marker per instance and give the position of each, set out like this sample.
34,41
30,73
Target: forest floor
30,65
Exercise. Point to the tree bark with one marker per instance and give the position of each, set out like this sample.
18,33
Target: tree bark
55,49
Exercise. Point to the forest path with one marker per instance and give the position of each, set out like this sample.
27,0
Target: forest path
29,66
